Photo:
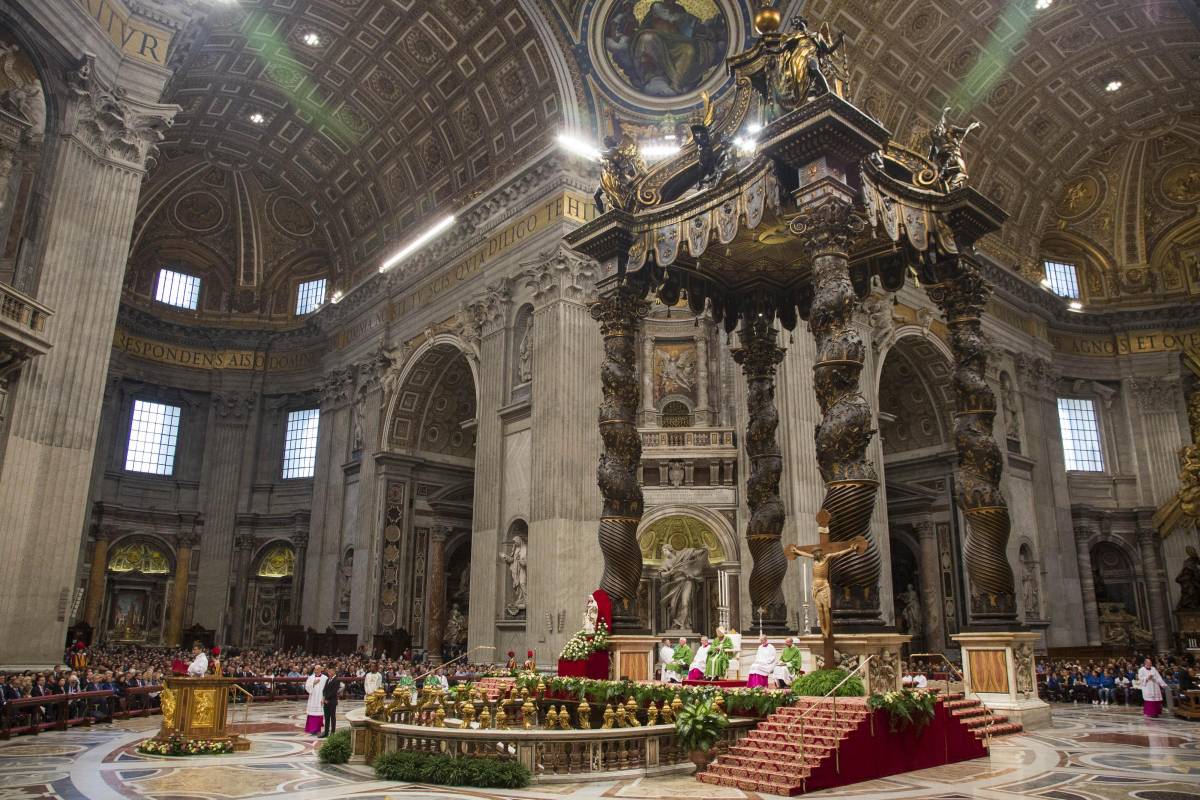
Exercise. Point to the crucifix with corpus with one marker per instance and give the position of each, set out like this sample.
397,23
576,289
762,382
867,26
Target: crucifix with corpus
823,553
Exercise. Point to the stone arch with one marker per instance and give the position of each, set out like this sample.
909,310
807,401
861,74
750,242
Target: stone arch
421,416
135,596
141,537
916,396
711,519
269,597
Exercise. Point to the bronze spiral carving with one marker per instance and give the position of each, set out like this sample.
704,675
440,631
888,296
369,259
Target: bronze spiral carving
619,313
962,297
759,356
845,431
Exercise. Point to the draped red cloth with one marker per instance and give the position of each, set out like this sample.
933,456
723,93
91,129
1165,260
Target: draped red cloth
604,604
595,667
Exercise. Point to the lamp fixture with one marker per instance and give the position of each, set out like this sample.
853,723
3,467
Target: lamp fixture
312,39
1113,85
257,118
1075,305
418,243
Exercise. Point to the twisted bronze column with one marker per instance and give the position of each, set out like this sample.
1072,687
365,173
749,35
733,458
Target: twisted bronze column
758,356
961,299
618,313
845,429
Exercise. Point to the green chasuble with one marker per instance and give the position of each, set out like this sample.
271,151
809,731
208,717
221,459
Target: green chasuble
791,657
681,659
718,659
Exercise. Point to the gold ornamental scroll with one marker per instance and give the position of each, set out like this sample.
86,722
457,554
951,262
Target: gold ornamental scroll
569,206
195,709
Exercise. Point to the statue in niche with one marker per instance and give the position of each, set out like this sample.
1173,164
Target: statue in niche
345,575
1029,592
945,150
357,432
910,611
525,355
680,572
456,626
1189,582
1012,417
462,594
516,560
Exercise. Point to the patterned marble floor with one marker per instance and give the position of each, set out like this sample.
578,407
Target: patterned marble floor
1089,754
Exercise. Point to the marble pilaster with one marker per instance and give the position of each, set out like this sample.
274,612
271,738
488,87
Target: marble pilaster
1087,584
232,415
435,602
179,589
92,193
244,547
300,542
96,576
931,587
1156,583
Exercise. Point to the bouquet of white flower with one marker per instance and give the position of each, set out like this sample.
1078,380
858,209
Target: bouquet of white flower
580,646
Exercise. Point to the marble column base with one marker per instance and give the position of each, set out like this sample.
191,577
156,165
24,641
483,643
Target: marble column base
998,667
883,674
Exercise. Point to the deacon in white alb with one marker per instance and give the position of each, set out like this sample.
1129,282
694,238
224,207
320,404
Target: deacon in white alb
765,661
666,654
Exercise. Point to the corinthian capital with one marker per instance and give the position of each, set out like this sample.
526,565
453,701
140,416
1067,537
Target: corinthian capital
233,405
560,274
109,123
830,227
1155,394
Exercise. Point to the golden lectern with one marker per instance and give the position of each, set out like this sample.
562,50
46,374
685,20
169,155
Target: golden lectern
194,708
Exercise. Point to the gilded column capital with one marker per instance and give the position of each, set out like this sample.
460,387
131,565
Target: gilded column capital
104,533
438,534
187,539
109,123
244,542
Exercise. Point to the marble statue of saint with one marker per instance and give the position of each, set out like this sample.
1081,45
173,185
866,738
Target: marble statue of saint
591,616
1189,582
525,355
680,573
1029,591
515,558
345,574
1012,417
910,610
456,626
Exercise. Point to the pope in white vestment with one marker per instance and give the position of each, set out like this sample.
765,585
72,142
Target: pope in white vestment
765,661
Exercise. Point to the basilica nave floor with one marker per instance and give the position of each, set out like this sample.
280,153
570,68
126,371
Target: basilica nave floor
1089,754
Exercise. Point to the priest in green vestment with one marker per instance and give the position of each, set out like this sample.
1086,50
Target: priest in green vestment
681,659
718,656
789,663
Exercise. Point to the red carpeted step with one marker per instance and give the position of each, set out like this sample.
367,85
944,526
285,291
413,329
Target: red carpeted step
975,711
962,702
1000,729
749,785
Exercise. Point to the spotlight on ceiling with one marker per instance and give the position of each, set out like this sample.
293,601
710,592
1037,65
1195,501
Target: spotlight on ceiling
417,243
337,296
1047,284
1113,85
257,118
1042,5
1075,305
312,39
579,147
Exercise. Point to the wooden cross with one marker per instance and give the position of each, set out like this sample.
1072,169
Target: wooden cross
823,553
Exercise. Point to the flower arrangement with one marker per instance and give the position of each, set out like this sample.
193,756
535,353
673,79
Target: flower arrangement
906,707
176,745
580,646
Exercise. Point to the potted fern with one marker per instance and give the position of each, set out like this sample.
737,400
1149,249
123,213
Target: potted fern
698,727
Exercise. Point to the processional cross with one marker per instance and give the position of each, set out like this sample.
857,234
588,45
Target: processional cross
823,553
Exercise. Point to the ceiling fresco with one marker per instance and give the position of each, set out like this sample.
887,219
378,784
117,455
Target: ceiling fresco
376,116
